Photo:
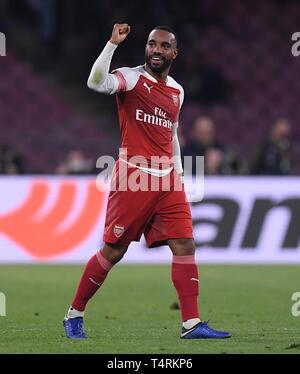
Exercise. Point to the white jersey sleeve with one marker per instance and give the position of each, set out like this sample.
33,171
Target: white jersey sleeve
176,150
176,145
120,80
128,77
99,79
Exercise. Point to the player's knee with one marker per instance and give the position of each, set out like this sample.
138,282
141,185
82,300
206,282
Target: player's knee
182,246
113,253
116,257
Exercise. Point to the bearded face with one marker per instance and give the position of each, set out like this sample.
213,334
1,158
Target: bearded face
160,51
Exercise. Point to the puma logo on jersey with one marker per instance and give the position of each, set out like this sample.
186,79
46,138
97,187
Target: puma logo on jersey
148,88
194,279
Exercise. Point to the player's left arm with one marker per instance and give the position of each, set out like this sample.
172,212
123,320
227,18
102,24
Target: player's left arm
176,145
176,151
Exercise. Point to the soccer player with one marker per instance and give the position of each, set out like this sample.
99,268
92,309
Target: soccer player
149,101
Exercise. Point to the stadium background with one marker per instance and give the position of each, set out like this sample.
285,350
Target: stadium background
240,77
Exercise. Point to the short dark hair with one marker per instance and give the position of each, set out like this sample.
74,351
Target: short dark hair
169,29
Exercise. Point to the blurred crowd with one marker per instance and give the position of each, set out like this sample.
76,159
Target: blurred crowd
65,30
11,162
271,156
76,163
65,37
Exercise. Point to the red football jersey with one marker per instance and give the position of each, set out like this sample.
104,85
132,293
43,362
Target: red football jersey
148,109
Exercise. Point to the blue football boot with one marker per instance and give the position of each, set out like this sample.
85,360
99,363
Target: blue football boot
203,331
74,328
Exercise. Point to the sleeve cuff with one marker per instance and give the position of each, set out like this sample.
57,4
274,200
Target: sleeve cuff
111,46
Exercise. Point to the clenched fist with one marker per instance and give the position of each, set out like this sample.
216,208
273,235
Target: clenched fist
120,32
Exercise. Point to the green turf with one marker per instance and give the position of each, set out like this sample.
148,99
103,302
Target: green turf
131,312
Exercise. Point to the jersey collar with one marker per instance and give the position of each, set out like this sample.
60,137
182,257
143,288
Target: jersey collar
149,76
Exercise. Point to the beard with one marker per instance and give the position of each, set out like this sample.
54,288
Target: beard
158,69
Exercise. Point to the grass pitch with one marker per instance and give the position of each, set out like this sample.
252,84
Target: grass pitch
132,311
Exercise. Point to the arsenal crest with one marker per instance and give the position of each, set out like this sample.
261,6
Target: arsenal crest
119,230
175,99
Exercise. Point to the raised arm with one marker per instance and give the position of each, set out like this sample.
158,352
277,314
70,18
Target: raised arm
99,79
